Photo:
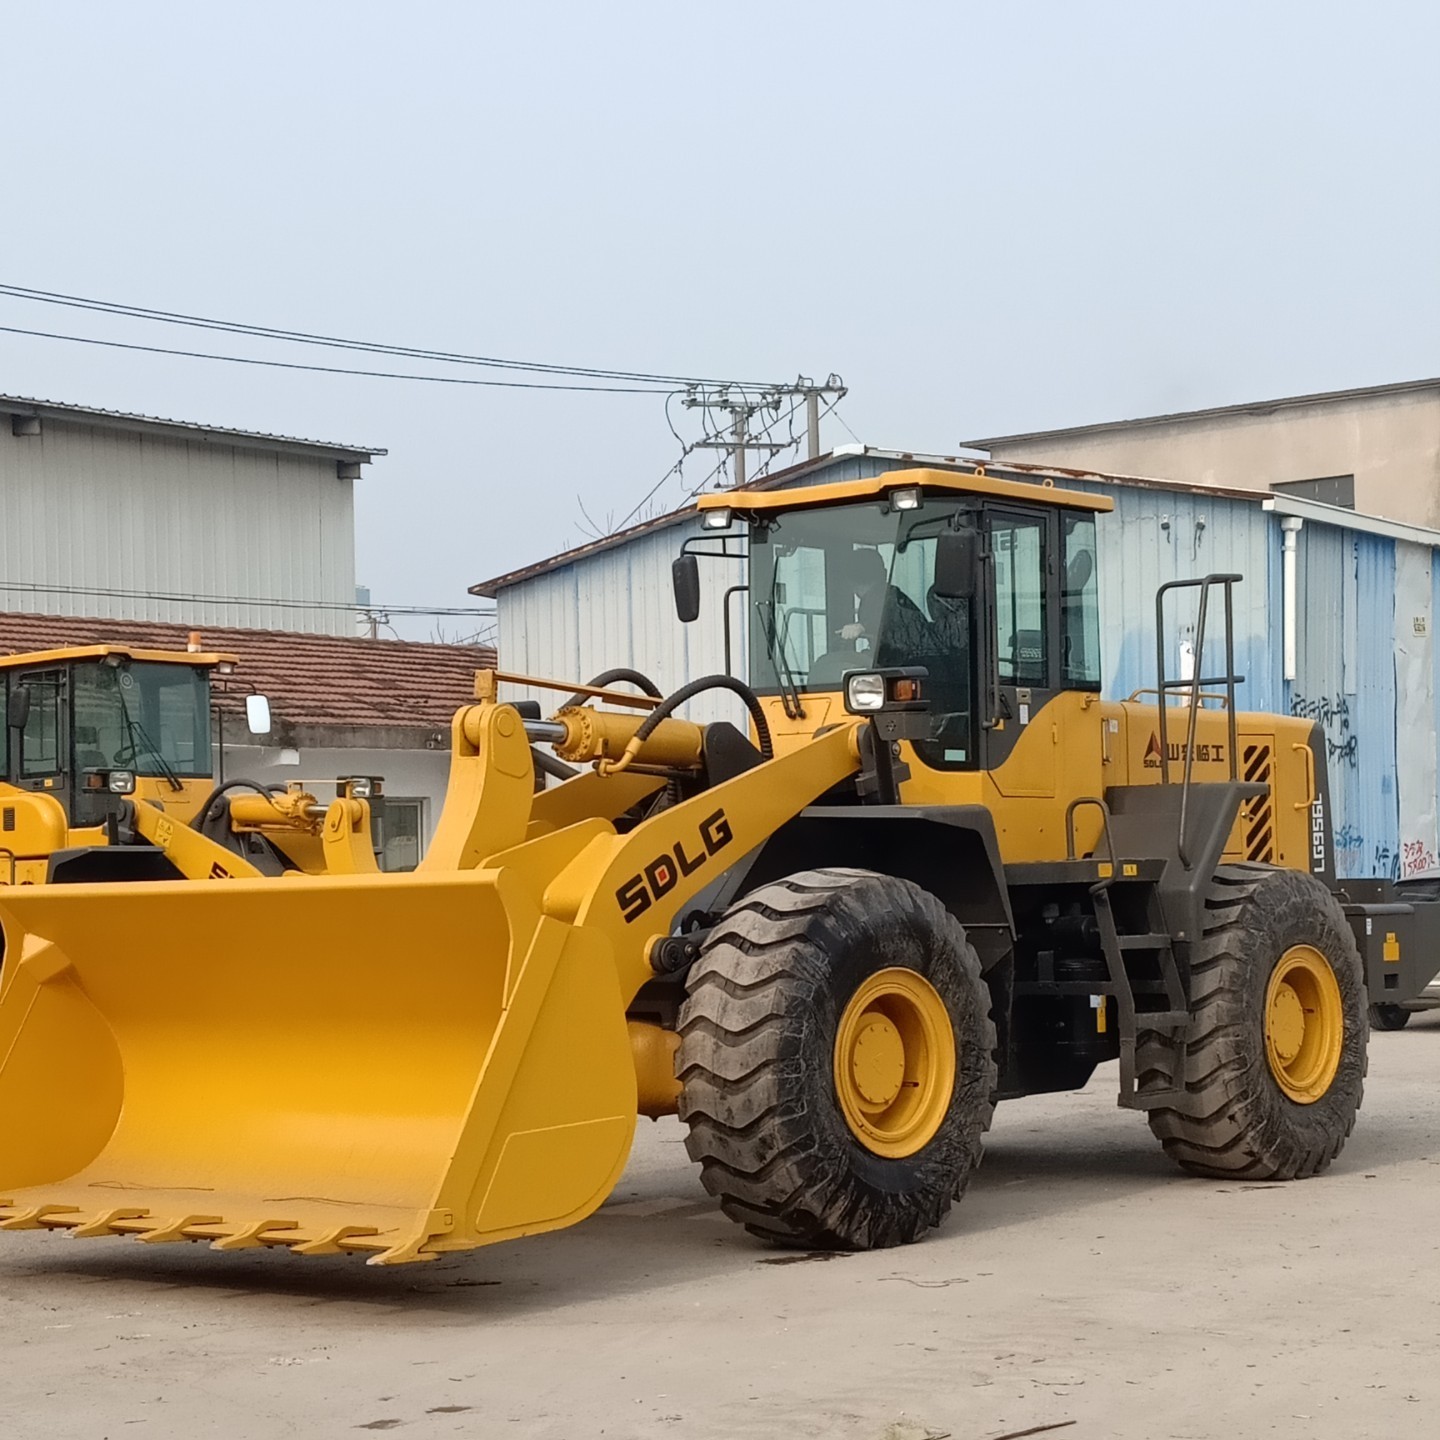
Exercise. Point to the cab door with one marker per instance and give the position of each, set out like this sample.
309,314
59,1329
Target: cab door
1021,647
40,753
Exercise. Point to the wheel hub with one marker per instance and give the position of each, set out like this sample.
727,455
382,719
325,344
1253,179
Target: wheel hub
1287,1022
894,1062
878,1060
1304,1024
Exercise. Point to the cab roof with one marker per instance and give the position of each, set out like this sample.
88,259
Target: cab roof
1044,492
203,659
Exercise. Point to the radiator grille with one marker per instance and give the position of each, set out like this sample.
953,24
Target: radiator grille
1258,819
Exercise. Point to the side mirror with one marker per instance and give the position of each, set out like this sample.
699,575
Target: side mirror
685,576
257,714
19,714
957,564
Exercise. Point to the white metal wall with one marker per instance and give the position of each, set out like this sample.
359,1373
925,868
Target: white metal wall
85,508
618,608
1415,710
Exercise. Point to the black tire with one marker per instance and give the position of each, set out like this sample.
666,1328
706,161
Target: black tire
1389,1017
758,1033
1235,1120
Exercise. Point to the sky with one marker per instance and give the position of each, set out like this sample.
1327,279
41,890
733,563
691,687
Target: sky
985,217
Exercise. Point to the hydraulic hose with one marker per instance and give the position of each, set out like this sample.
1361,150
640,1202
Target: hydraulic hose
610,677
671,703
549,765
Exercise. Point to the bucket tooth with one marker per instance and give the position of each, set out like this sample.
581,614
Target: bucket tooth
39,1217
256,1236
335,1241
168,1232
436,1225
104,1222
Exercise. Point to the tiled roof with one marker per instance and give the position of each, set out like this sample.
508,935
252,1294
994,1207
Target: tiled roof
311,680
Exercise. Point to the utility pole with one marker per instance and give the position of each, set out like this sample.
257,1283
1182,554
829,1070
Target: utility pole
812,394
740,406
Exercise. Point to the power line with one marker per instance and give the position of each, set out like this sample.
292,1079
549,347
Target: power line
267,332
335,369
743,407
181,598
712,440
848,430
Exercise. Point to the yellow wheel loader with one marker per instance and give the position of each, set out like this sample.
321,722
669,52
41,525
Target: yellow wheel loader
107,771
939,870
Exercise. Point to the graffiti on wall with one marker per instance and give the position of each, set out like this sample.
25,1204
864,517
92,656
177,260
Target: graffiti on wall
1332,714
1416,858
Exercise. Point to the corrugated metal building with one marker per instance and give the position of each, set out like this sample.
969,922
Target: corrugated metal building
105,513
1364,665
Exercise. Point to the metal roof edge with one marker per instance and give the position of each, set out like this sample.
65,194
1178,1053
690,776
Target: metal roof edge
1249,407
487,589
188,429
1319,513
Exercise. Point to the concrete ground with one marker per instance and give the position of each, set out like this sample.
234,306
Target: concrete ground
1082,1284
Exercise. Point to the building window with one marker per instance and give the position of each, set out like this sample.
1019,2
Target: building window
1328,490
401,826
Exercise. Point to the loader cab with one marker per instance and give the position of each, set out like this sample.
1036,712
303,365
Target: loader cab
990,585
90,726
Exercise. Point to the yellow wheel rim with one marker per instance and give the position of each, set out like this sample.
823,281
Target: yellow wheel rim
1304,1024
895,1063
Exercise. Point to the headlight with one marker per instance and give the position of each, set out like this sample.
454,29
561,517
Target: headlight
122,782
899,688
361,789
907,499
715,519
864,693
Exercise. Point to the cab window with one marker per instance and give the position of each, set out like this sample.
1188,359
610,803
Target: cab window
143,716
42,752
1021,638
1079,604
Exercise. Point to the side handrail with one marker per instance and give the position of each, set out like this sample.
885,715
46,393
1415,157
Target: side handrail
1312,790
1135,695
1195,684
1105,881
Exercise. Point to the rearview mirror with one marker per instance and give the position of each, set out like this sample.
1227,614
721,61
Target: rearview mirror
685,576
957,564
19,713
257,714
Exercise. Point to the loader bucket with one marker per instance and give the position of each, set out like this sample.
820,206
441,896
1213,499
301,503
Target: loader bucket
394,1064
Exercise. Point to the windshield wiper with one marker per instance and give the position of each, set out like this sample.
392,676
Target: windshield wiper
134,728
789,690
